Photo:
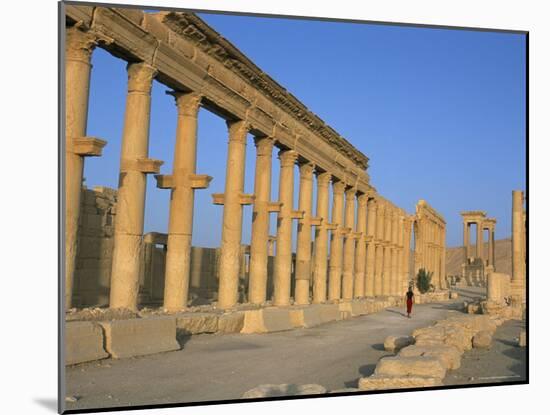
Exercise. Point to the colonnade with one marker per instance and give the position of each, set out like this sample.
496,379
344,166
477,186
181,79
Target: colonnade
477,262
369,236
519,245
430,246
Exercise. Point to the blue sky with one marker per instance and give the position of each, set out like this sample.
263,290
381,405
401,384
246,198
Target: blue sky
440,114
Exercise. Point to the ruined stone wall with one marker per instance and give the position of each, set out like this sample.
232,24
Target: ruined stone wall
94,260
95,246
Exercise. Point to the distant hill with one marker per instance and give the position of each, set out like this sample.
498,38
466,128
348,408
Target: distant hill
503,257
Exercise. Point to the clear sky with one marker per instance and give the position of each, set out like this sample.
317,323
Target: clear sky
440,114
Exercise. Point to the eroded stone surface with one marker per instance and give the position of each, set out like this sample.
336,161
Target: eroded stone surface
410,366
285,389
448,355
396,343
140,336
377,382
83,342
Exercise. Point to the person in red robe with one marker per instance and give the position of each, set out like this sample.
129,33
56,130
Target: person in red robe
410,299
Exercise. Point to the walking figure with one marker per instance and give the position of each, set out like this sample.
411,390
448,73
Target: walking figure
410,299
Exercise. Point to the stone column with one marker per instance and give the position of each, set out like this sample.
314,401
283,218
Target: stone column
492,248
371,247
443,268
361,248
518,256
379,255
233,200
349,245
479,240
303,239
283,256
466,241
407,252
134,165
257,283
400,242
394,254
183,183
321,240
78,52
386,267
336,246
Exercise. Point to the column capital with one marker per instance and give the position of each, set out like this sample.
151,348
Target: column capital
350,193
288,157
362,199
306,169
264,145
323,178
338,187
188,103
237,130
140,77
79,44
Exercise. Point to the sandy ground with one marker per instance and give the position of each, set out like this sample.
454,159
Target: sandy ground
504,362
219,367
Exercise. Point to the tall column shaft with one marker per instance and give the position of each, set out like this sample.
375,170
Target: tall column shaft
400,242
371,249
443,268
466,241
283,256
349,246
230,250
134,165
336,245
379,260
321,240
257,284
182,200
518,256
78,52
491,255
387,271
407,253
394,254
303,239
361,248
479,240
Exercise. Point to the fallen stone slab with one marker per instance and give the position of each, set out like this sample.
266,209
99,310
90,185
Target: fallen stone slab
196,323
482,340
266,320
378,382
522,341
231,322
83,342
344,390
285,389
449,356
399,366
140,336
396,343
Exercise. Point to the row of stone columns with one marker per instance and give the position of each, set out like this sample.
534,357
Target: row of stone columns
430,248
366,255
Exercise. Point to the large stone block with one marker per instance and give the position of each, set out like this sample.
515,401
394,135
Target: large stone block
305,316
196,323
285,389
430,367
231,322
448,355
140,336
83,342
396,343
328,312
267,320
522,341
378,382
482,340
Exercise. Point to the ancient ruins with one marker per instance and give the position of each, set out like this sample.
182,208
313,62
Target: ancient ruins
108,259
478,264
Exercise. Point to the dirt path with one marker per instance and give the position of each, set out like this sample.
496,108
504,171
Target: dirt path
214,367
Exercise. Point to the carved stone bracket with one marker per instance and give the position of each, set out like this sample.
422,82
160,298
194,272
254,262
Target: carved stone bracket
143,165
87,146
